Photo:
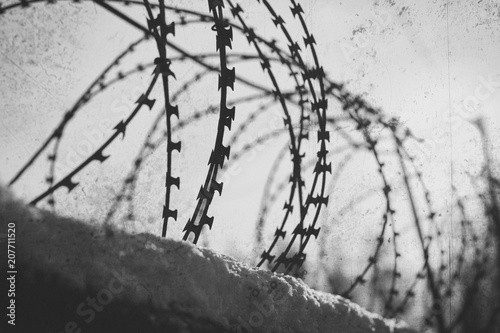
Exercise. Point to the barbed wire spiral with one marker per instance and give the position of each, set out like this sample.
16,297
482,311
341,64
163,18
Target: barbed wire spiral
318,114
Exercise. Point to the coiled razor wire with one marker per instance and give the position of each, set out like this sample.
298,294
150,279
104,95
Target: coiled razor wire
308,110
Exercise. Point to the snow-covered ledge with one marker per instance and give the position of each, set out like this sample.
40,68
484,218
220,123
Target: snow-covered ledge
168,285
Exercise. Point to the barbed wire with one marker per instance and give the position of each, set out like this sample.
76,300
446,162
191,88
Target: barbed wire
310,105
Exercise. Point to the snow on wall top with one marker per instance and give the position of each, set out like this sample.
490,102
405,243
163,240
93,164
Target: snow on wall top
170,274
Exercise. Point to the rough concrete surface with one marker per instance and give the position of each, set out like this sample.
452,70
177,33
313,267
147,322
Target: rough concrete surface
75,278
